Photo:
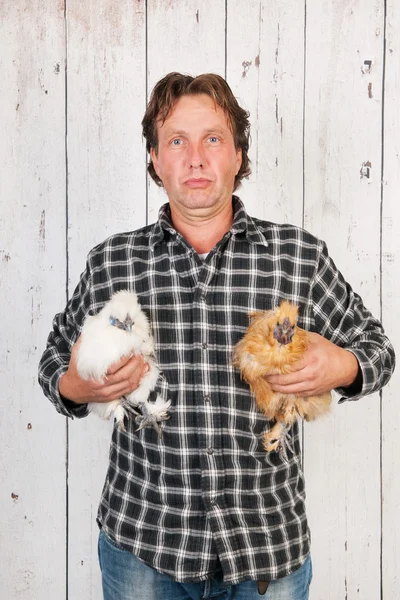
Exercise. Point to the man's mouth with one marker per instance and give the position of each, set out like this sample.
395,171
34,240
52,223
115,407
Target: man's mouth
197,183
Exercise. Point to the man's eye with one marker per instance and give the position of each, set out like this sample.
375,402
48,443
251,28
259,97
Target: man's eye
213,139
176,142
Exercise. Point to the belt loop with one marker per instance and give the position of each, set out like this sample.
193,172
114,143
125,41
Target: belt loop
207,587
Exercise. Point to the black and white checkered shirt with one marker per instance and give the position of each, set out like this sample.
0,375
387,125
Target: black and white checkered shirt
207,495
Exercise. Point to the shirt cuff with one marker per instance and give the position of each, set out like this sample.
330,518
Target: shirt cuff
363,383
63,405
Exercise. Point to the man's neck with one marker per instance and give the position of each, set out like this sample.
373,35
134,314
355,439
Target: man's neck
203,231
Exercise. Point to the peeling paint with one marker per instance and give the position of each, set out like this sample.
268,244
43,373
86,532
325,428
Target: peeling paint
276,110
365,170
246,64
277,46
370,90
14,496
57,68
197,15
389,257
40,80
42,231
29,426
367,66
257,61
25,579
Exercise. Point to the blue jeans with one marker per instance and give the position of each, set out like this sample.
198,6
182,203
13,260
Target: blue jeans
125,577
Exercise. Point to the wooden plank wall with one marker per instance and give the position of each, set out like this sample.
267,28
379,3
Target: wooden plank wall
321,79
32,279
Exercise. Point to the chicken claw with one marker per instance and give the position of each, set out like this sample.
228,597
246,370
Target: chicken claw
277,439
152,414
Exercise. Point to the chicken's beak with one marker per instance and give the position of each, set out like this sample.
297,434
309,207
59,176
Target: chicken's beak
287,335
283,333
128,323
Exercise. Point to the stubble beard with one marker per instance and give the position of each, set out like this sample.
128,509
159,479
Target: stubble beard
200,199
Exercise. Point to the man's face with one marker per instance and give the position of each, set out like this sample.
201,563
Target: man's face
196,159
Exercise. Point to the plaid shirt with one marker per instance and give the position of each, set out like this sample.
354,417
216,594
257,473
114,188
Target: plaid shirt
207,495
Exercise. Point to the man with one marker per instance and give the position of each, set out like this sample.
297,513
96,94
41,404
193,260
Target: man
205,511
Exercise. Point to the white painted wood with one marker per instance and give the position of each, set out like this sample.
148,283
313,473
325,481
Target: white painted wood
106,98
343,108
390,289
193,42
109,69
265,68
32,275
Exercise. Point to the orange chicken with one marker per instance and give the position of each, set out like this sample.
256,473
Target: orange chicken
273,344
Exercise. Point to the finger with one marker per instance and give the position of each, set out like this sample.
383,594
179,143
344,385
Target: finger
113,392
298,389
124,361
146,369
287,378
130,375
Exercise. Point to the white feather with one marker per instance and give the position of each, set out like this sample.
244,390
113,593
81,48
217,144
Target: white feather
103,344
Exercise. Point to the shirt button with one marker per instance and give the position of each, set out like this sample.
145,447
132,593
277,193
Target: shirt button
207,399
210,450
205,346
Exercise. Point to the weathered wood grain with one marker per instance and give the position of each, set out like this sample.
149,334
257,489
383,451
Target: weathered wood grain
317,58
343,105
390,303
32,276
106,97
265,67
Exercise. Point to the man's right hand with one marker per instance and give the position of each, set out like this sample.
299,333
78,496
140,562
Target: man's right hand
121,379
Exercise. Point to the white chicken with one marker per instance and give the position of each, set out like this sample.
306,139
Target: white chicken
122,329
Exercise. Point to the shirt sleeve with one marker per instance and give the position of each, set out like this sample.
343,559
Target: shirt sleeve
341,317
54,363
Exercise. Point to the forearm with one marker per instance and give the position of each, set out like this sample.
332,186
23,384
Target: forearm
52,367
376,366
348,369
341,317
56,357
362,336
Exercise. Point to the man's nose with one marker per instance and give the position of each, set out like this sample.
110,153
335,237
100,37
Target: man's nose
196,156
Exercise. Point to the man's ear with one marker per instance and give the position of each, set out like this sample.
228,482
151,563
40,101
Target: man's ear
154,159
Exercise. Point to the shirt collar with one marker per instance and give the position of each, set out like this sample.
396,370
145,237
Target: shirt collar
243,225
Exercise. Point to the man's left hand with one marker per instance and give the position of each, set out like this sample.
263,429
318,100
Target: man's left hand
323,367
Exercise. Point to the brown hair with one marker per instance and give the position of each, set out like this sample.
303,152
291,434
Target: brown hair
174,85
